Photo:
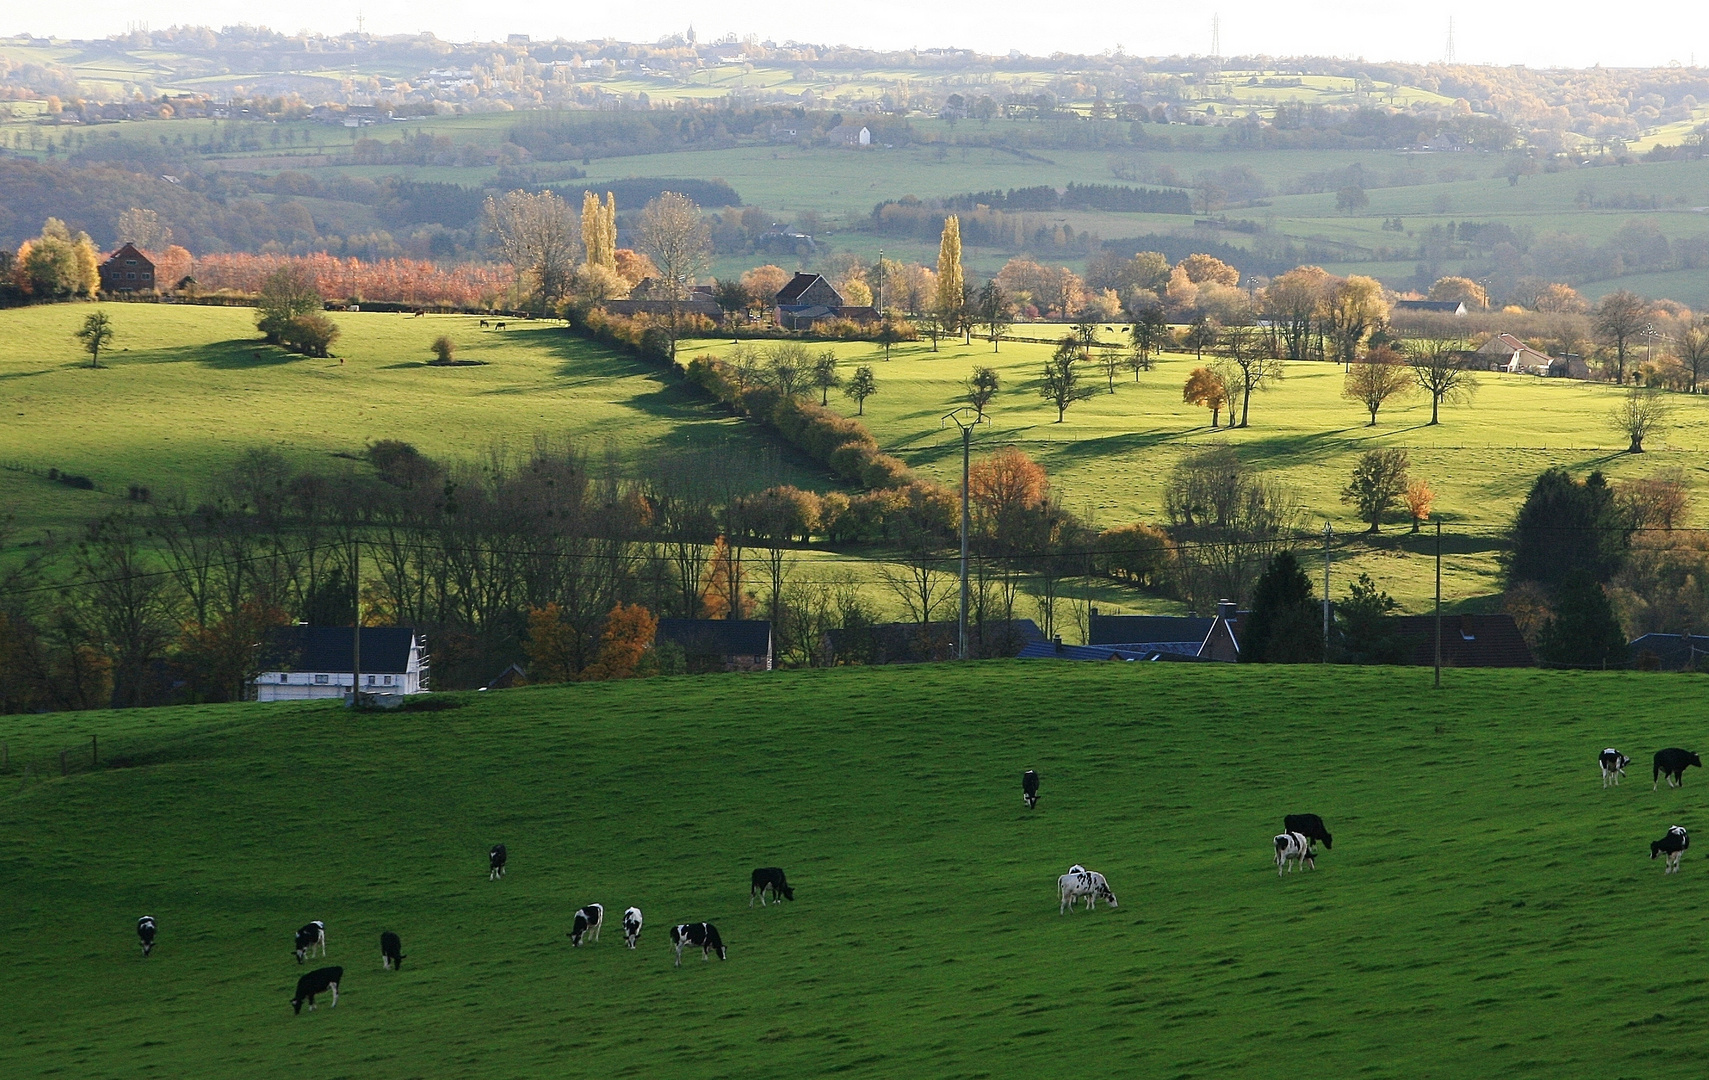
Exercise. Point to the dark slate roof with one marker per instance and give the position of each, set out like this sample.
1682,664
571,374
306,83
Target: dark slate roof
385,649
798,284
911,643
721,637
1675,651
1117,629
1049,650
1428,305
1467,640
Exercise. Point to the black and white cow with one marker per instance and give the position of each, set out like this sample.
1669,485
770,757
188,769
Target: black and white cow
1672,845
1078,882
768,877
631,926
1613,766
1672,764
145,933
318,981
495,862
587,924
1309,826
703,934
309,938
391,952
1296,848
1029,788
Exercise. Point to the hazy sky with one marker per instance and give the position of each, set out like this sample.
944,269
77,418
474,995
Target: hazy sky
1563,32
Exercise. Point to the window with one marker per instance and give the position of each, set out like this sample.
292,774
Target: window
370,680
284,678
388,680
320,680
130,262
131,274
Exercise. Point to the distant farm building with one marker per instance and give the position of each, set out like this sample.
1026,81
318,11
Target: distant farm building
127,270
719,644
1429,307
809,299
301,662
915,643
1504,352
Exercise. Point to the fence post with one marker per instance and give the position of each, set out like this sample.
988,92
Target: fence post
64,769
94,755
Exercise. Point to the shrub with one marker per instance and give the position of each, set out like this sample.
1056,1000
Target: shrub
444,351
1136,553
311,334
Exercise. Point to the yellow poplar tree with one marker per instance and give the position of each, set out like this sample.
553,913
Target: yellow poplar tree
608,237
949,267
593,227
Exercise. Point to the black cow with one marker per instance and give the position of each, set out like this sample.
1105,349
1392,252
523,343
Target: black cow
145,933
631,926
769,877
309,937
1029,788
495,862
1673,845
318,981
587,924
1309,826
703,934
1613,764
1672,764
391,952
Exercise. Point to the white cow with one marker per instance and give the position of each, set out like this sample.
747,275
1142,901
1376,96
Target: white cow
1079,882
1293,847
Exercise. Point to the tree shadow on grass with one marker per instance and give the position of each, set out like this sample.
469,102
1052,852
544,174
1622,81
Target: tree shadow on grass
235,354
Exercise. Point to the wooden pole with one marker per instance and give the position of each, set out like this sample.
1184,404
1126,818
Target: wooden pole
356,628
1438,603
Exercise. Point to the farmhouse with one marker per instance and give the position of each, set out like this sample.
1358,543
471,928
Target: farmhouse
127,270
914,643
1152,637
1671,652
315,662
1430,307
1467,641
719,644
809,299
1504,352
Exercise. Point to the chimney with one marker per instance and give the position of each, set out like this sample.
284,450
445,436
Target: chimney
1056,645
1226,609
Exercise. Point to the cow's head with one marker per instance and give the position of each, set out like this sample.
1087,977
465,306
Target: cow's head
1655,848
1697,761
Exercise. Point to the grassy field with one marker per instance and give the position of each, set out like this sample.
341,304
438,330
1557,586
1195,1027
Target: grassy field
1112,455
1488,909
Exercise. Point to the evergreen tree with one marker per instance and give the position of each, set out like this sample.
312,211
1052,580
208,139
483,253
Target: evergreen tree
1584,632
1285,625
1365,634
1567,527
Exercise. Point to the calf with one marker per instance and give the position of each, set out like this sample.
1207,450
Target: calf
391,952
1309,826
587,924
631,926
309,938
145,933
1078,882
495,862
1613,766
768,877
1672,845
1029,788
1293,847
318,981
703,934
1672,764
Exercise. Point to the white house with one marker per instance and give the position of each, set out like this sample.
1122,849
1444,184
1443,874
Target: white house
1513,356
303,662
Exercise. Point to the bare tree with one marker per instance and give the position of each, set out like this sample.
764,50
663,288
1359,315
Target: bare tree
1691,345
981,387
1639,413
538,235
1374,381
671,231
1246,365
1441,372
1620,317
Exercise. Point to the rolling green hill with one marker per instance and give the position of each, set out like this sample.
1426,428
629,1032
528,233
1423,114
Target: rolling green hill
1488,909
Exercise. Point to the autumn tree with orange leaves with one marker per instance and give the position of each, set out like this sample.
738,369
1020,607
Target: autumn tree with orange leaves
628,634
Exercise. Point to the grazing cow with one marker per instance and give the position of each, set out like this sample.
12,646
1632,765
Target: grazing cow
1673,845
145,933
1293,847
1309,826
391,952
1613,766
309,937
495,862
1029,788
1672,764
769,877
1078,882
587,924
703,934
318,981
631,926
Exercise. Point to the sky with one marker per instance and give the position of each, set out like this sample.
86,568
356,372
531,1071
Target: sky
1562,33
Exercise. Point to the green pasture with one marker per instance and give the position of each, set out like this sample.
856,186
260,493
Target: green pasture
1488,909
1112,455
185,389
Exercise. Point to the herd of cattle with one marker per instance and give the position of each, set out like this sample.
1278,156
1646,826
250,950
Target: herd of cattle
1295,848
311,938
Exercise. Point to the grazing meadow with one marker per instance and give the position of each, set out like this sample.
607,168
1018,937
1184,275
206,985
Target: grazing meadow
1487,907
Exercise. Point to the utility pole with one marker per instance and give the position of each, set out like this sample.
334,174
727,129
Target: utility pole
1328,532
1438,603
356,628
958,417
